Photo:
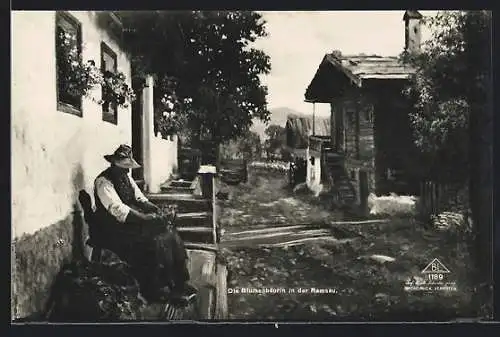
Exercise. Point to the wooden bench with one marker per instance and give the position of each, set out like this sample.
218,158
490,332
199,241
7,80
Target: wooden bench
88,215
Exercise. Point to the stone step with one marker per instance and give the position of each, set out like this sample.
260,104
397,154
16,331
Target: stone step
194,215
186,202
182,183
204,236
177,189
172,196
209,247
195,219
179,186
204,229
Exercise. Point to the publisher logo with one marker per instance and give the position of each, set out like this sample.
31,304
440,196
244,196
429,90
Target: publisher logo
434,277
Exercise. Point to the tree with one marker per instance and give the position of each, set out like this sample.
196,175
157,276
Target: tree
276,136
276,141
250,146
453,115
209,54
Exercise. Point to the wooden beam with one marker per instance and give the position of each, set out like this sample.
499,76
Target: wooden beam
358,107
221,305
339,126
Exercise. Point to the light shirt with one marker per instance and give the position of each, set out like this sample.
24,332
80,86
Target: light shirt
110,199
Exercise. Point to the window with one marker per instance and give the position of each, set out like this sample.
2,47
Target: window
68,52
108,66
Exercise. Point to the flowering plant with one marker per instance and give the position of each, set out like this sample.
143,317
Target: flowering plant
75,77
169,117
78,78
116,89
84,77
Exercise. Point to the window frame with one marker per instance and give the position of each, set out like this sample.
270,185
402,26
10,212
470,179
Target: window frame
67,17
110,116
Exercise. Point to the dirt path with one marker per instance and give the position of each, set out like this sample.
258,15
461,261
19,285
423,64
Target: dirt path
284,264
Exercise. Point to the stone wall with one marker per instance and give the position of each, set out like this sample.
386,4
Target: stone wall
37,259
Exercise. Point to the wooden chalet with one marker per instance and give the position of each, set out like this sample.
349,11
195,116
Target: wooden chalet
370,148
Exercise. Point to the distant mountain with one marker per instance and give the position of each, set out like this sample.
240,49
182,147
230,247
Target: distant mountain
279,117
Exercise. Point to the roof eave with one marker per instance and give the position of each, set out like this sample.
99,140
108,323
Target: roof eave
354,78
307,93
386,77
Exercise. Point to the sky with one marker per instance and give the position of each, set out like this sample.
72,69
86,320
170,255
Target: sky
298,41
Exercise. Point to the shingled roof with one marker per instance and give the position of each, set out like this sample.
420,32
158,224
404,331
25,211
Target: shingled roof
359,68
366,67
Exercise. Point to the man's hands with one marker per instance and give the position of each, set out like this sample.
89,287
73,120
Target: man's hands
152,216
149,207
138,217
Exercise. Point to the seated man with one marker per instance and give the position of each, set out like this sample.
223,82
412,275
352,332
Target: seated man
133,228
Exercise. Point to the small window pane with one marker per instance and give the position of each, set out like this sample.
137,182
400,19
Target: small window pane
109,64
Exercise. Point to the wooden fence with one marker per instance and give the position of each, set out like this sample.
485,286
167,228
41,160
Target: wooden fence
438,197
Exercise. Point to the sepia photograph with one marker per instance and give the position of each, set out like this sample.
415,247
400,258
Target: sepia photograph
239,166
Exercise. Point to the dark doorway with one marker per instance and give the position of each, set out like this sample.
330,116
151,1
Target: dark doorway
137,174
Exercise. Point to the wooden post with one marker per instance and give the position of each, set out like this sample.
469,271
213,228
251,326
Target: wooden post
221,309
207,174
148,133
358,107
337,116
314,120
207,180
339,128
332,125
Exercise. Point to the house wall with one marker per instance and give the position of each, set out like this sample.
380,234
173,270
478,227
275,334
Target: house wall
163,161
159,155
382,137
357,135
313,178
54,154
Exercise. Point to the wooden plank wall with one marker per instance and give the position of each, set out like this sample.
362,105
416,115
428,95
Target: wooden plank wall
359,131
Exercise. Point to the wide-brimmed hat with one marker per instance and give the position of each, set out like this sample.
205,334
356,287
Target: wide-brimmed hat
122,157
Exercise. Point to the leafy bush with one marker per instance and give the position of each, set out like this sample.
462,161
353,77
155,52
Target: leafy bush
90,292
